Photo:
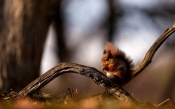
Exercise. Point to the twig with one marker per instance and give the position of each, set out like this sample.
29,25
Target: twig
98,77
164,102
149,55
70,92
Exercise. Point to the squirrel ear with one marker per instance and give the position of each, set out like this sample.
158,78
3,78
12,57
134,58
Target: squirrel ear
109,47
109,55
104,52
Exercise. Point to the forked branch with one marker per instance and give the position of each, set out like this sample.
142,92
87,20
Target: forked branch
98,77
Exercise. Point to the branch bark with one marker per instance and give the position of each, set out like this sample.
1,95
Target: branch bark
98,77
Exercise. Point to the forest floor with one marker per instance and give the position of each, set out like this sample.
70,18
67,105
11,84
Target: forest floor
73,101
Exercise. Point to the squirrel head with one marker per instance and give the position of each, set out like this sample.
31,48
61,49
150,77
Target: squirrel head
116,65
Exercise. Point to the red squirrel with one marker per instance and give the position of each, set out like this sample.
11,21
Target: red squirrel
116,65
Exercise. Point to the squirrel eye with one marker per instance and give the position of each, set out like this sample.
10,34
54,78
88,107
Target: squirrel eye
106,59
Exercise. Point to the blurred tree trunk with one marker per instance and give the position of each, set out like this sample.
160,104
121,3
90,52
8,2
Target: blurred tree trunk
58,23
1,13
25,25
115,12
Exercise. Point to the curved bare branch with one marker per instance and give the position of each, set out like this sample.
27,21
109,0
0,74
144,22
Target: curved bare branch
98,77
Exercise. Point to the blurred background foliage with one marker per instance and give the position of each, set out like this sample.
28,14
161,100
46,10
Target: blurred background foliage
79,29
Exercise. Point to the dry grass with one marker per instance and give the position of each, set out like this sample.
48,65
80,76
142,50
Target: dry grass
71,100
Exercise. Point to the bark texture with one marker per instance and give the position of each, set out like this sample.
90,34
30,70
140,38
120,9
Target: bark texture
90,72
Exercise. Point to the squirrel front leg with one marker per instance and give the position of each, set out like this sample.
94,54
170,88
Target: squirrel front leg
116,65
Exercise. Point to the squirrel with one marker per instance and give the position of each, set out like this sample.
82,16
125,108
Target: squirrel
116,65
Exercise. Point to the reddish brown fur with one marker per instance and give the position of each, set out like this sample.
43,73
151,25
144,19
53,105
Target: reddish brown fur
116,52
116,62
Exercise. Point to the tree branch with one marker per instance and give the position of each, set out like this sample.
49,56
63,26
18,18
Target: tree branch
149,55
98,77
